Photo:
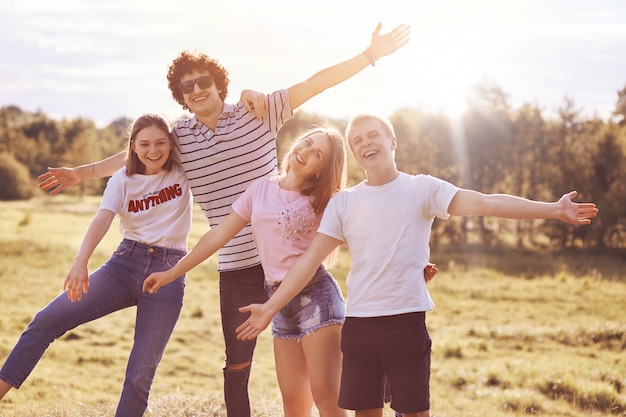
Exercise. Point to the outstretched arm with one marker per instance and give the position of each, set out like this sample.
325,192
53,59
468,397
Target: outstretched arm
77,279
380,46
214,239
473,203
58,179
295,280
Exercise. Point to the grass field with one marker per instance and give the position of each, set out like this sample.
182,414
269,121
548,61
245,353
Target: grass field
514,333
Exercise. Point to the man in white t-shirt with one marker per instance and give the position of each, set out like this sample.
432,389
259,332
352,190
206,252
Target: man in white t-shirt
385,221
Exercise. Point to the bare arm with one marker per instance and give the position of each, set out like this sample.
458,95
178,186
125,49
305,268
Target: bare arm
77,279
58,179
295,280
207,245
381,45
473,203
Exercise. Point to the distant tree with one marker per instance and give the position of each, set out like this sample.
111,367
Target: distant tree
608,187
527,165
489,141
620,106
15,183
81,137
570,167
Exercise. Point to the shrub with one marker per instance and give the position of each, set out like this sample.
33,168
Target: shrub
15,183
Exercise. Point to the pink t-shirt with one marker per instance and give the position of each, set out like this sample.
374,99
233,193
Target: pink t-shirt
283,224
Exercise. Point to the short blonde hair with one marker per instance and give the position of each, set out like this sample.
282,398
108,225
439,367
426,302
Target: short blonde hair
385,124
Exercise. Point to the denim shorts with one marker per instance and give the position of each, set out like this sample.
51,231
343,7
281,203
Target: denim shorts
319,304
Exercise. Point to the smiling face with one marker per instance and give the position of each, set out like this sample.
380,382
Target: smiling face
308,157
203,102
371,143
153,147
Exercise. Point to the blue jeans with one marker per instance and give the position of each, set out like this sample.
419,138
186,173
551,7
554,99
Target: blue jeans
238,288
115,285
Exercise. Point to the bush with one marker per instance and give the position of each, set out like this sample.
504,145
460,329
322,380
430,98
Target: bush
15,183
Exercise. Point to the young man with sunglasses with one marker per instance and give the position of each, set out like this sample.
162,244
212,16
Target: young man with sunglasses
223,148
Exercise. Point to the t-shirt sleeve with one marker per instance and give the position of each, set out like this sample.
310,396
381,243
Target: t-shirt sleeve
243,204
279,110
441,194
113,197
331,223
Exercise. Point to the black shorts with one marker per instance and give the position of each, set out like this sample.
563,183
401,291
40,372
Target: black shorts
397,346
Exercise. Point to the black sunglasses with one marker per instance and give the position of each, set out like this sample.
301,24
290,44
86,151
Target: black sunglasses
203,82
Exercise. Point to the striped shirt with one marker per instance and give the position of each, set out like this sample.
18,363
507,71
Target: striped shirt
220,165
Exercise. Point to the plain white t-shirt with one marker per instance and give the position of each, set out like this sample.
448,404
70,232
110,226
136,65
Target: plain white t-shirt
387,230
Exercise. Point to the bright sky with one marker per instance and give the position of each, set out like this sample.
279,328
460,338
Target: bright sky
108,59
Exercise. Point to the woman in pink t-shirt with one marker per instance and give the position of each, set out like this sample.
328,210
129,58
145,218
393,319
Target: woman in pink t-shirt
284,212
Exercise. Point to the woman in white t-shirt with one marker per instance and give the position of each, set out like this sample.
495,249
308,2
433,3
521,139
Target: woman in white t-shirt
152,199
284,212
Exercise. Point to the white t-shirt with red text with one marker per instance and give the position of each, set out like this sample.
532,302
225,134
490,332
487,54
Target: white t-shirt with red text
153,209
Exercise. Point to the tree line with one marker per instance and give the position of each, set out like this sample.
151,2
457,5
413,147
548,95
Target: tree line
492,147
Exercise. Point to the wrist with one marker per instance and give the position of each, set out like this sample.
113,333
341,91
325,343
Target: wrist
85,171
81,260
371,56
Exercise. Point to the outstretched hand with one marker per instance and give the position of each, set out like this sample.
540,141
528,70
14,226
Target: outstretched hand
575,213
58,179
259,319
383,45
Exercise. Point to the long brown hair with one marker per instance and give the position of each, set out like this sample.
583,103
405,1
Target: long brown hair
334,173
133,164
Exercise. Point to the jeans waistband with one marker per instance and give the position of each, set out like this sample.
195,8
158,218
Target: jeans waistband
321,271
150,250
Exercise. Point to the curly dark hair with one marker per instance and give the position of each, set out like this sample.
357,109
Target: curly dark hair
185,63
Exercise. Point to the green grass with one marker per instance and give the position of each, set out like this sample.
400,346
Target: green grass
515,333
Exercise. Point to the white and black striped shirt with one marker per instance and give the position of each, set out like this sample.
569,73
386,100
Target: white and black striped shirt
220,165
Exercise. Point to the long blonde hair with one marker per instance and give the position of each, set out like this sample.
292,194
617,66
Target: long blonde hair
334,173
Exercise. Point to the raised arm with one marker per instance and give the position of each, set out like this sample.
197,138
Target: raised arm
473,203
58,179
77,279
295,280
214,239
380,46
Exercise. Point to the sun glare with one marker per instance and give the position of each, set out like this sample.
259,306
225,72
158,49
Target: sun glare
460,48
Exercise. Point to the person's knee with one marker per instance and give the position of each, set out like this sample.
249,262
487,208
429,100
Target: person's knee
238,366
